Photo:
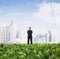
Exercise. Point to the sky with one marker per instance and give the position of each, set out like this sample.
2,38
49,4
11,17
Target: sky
41,15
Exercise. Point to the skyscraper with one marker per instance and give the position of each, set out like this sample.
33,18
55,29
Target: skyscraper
49,36
1,35
7,40
3,29
18,35
8,33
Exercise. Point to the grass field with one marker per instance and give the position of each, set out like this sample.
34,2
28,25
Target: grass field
25,51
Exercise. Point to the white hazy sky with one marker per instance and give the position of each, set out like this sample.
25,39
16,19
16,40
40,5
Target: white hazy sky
40,15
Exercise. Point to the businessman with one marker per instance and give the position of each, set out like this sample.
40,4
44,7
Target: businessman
29,32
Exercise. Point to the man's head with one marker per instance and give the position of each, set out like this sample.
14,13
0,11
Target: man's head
29,28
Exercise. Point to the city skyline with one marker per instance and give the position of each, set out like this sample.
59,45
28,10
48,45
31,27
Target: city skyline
10,35
41,15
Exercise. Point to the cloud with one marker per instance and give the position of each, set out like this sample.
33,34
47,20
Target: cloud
48,12
48,15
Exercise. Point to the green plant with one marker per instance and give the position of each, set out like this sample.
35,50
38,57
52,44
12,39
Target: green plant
25,51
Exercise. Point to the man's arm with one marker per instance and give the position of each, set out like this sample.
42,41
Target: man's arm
32,31
27,31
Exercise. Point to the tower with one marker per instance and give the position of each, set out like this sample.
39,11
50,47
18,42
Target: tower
3,29
18,36
8,33
7,40
1,35
49,36
46,37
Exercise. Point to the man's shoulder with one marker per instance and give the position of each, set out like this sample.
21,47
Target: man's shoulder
29,31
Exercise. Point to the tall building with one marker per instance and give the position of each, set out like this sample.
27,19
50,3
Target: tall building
3,29
7,35
1,35
18,35
49,36
46,37
10,32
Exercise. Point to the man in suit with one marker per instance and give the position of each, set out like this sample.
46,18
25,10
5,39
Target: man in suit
29,32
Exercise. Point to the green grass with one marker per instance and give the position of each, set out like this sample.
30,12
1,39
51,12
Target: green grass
25,51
